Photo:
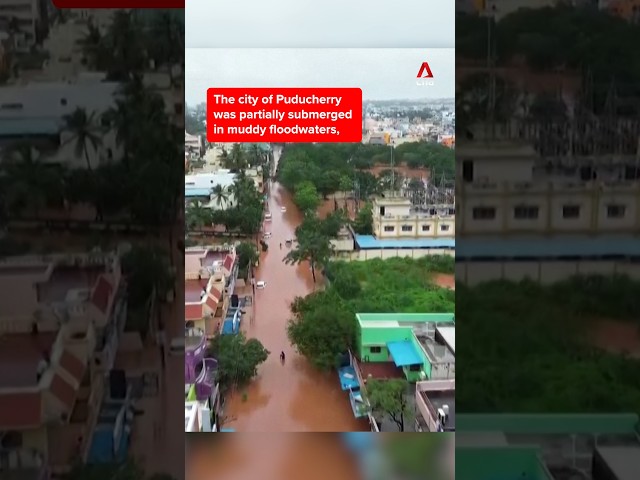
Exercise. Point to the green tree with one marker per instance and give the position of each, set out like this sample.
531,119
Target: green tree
390,397
220,195
238,358
322,333
85,133
148,271
306,197
248,255
313,245
197,216
363,224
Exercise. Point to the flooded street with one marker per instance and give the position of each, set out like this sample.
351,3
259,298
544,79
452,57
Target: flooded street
289,397
270,457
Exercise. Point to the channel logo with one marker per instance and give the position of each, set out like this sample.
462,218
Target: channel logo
425,76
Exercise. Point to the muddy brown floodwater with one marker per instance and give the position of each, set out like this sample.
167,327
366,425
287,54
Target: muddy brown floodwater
270,457
289,397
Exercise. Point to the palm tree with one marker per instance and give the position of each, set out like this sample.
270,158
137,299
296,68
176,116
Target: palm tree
220,194
197,216
125,42
85,133
93,47
167,40
27,183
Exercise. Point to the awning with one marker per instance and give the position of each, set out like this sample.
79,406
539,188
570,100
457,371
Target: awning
404,353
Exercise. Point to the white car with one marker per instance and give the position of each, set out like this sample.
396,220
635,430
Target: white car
266,235
267,216
283,209
261,284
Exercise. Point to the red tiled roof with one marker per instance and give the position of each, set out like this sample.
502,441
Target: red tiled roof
64,392
215,293
102,294
192,312
72,365
228,262
19,411
211,302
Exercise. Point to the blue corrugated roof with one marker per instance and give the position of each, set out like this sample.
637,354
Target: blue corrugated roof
404,353
348,379
541,247
197,192
369,242
28,126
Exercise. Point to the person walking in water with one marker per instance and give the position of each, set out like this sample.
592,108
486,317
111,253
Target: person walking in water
280,245
282,357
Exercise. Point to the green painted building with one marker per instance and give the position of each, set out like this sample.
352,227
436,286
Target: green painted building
408,340
513,446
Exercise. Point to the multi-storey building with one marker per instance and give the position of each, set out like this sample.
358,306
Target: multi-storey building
59,333
210,276
202,396
24,19
396,218
436,406
546,217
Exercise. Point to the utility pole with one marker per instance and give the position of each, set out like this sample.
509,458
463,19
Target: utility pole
491,103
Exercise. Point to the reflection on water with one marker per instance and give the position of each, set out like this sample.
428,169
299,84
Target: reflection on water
289,397
320,457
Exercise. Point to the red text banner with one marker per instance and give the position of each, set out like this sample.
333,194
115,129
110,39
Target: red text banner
284,115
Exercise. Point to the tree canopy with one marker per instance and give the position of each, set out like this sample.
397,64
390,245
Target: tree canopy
238,358
337,167
562,38
528,347
323,324
389,397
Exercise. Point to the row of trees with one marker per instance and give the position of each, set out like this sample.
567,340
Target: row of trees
528,345
563,39
241,216
323,325
313,172
144,186
136,41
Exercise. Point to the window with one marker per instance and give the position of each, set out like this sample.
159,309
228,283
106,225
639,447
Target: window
484,213
375,349
616,211
407,228
571,211
415,368
467,170
526,213
389,228
382,211
426,228
444,228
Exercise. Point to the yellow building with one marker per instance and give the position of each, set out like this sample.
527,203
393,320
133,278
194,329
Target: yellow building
505,189
396,218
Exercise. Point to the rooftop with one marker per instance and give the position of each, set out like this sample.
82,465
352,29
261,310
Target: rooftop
41,101
64,280
436,352
439,398
20,355
369,242
448,334
395,319
193,290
